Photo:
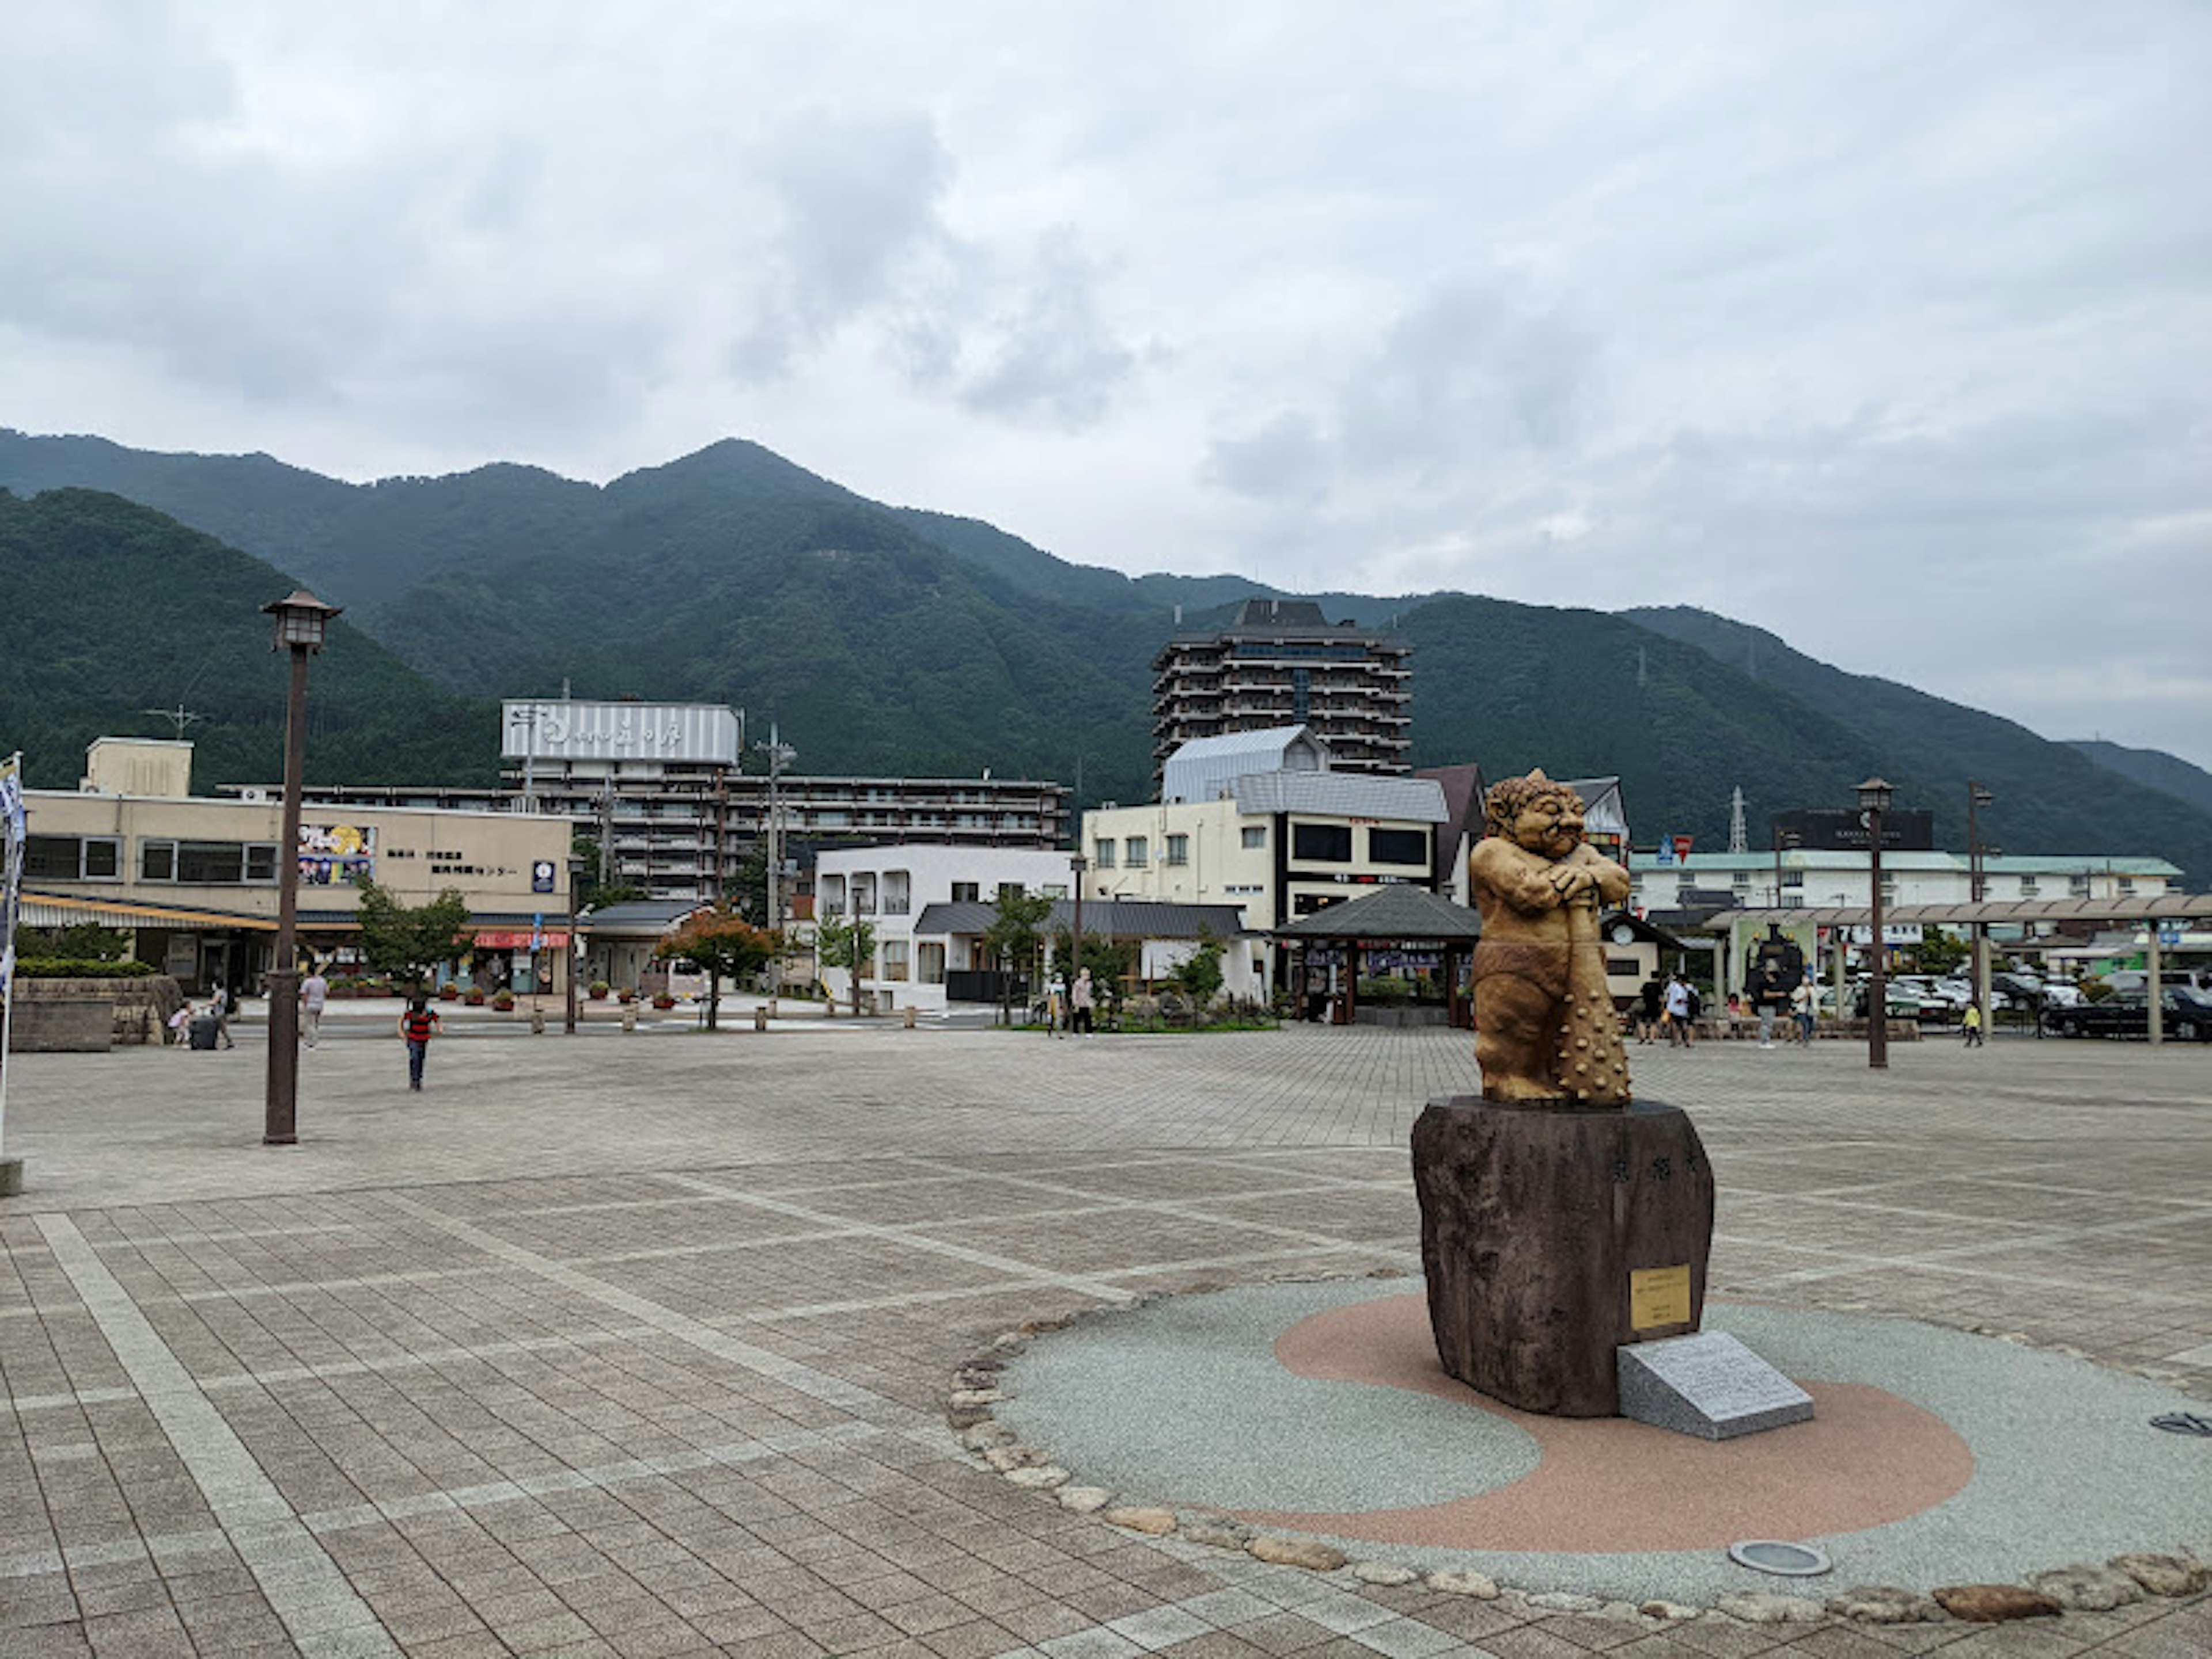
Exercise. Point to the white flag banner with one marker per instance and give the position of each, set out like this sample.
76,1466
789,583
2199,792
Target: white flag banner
11,865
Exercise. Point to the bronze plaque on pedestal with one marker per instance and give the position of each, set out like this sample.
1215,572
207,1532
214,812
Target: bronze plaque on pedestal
1658,1298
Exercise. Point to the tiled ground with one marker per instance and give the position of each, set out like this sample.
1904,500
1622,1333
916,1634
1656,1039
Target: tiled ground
639,1345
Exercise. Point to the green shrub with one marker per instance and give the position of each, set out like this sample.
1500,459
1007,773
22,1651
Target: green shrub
81,967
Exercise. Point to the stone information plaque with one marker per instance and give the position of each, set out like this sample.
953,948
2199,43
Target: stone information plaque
1709,1385
1658,1298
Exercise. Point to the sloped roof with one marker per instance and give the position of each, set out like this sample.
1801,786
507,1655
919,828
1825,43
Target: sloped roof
645,917
1342,795
1602,808
1205,767
1101,918
1399,911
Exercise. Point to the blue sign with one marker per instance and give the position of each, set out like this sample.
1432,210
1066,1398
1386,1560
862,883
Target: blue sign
541,876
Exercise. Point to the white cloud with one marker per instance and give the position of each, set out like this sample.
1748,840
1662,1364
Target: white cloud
1884,326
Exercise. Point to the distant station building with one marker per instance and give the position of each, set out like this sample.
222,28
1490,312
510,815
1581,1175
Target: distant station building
1282,663
193,879
661,787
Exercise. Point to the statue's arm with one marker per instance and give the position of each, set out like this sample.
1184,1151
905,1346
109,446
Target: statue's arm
1612,881
1520,878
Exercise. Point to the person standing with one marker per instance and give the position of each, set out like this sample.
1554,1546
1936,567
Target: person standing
418,1025
1678,1013
1800,1009
1971,1025
1056,1004
1650,1008
1080,999
220,1009
314,992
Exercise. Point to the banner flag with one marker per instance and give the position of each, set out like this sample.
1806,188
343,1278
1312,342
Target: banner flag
12,835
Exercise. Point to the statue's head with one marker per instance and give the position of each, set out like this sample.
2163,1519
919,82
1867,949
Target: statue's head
1536,813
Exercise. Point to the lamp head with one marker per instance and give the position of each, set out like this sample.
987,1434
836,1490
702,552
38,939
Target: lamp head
1875,793
302,620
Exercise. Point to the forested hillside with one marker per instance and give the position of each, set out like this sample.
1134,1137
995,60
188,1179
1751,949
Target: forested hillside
901,640
2154,769
113,608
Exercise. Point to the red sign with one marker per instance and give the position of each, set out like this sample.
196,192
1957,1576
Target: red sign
1682,847
506,939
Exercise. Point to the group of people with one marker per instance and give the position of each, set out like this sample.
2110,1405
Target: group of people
1668,1007
1069,1005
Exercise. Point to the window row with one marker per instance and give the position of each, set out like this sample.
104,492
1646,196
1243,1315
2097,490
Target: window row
1136,852
188,863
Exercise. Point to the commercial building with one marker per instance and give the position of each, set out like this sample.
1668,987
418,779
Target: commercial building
661,788
193,879
1282,663
1278,840
1796,878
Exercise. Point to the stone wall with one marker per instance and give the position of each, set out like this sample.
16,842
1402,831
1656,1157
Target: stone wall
52,1015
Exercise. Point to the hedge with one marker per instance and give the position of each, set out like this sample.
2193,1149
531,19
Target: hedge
81,967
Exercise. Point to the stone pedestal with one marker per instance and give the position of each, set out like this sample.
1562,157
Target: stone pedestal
1552,1233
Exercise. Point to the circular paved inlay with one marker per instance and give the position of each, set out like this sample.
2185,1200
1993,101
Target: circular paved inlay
1935,1457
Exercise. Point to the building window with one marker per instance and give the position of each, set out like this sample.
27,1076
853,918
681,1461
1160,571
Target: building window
1178,849
1139,850
2028,887
1321,843
157,860
214,863
929,964
72,858
2127,883
895,959
1254,837
832,895
966,892
1102,854
1398,847
897,887
2078,886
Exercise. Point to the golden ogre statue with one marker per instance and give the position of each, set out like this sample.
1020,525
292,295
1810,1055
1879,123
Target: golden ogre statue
1544,1024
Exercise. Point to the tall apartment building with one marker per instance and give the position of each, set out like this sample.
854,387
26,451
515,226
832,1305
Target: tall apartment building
1282,663
658,785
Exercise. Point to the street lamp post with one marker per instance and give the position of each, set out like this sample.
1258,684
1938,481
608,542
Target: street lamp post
1874,796
302,620
1977,890
1077,864
569,1014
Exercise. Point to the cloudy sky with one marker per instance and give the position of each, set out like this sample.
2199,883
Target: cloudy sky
1884,325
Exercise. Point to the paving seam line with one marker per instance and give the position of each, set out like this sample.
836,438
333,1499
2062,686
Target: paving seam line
1186,1213
791,1373
303,1586
1008,1265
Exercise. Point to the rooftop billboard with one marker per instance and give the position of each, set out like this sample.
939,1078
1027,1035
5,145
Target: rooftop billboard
559,728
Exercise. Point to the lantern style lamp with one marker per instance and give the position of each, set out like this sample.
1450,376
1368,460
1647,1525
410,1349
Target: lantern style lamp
1874,796
302,620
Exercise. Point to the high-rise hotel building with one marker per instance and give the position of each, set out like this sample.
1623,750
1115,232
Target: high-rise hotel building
1282,663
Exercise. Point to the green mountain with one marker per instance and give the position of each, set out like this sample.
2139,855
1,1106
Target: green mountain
2154,769
895,639
2051,798
115,610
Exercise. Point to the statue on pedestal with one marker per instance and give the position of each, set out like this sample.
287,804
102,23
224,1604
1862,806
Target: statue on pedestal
1545,1028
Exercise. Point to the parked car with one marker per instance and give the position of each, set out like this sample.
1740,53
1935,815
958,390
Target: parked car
2188,1016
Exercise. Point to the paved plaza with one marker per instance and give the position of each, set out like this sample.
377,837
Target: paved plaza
641,1345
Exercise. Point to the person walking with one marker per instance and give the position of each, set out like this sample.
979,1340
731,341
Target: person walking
314,992
1650,1009
1679,1034
1802,1008
418,1025
1056,1004
1080,1001
220,1009
1972,1025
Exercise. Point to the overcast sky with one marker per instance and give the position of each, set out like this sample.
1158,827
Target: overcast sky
1881,325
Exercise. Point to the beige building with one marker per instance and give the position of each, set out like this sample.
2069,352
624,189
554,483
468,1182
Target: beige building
194,880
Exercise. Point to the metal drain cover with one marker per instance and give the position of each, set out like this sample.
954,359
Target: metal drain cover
2184,1423
1773,1555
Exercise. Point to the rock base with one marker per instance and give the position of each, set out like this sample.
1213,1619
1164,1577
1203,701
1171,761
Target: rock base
1553,1234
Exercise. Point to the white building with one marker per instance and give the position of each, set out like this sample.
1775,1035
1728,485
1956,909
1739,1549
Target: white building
1798,879
891,886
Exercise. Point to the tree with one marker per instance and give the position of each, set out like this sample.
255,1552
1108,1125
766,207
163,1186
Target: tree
1110,961
1198,975
1940,951
847,944
409,943
590,895
1017,932
747,887
726,945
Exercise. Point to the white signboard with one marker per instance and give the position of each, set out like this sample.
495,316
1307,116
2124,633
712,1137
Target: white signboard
1893,933
558,728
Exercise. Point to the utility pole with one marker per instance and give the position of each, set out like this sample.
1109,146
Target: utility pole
779,755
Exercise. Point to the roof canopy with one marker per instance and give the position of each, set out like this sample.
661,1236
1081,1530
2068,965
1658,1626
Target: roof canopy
2144,908
1139,919
1396,912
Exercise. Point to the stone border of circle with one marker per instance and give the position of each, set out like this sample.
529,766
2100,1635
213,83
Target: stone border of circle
2178,1576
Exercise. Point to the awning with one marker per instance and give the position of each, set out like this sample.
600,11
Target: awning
523,939
58,910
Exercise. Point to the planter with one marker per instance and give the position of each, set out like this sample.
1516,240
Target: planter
448,994
598,993
628,997
664,1003
504,1005
474,999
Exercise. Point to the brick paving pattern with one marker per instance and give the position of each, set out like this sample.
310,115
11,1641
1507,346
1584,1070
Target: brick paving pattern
640,1346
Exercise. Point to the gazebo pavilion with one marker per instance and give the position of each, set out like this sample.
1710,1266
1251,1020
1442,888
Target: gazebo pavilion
1333,943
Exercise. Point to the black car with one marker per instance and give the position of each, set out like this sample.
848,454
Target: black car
2188,1016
